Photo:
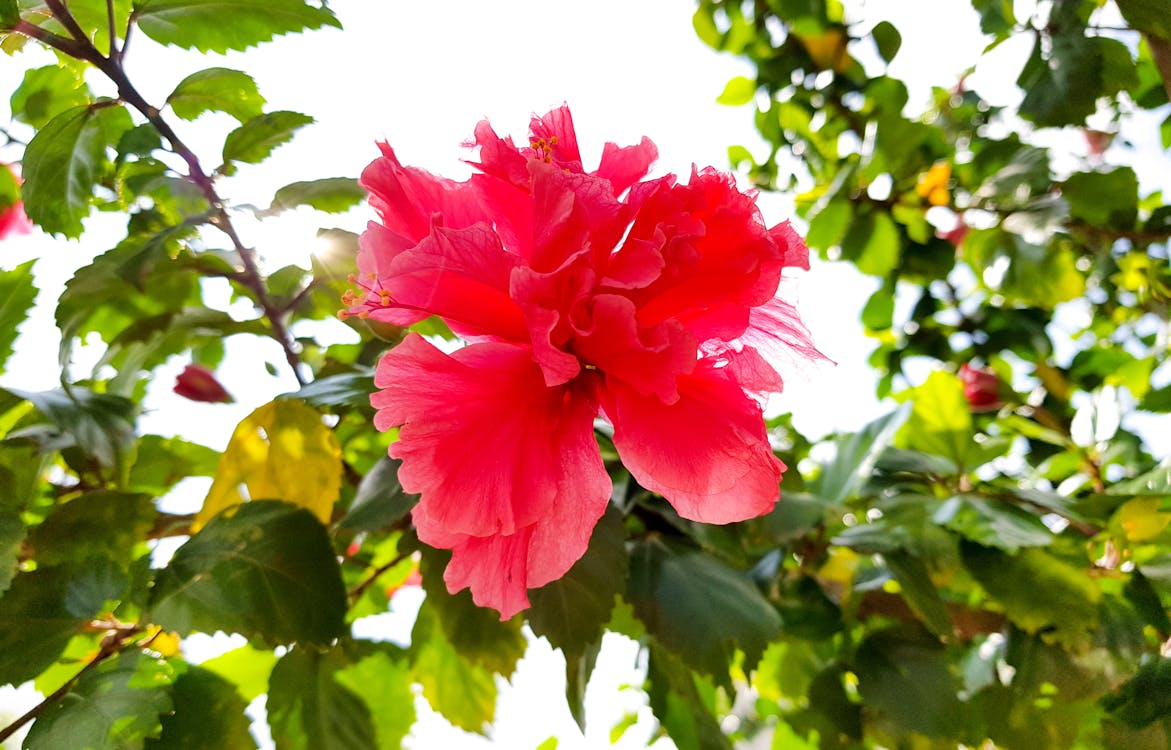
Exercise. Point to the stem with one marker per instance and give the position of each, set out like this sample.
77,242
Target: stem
111,30
112,644
1161,52
367,582
81,48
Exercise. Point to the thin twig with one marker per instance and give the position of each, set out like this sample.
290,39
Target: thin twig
112,30
369,580
112,644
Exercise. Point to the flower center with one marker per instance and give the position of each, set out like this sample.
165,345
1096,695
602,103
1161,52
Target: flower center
368,296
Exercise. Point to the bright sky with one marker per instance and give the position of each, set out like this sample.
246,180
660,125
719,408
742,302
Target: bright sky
420,75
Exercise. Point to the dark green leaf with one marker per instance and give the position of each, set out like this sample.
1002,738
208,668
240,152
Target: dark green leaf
46,607
679,706
888,40
17,294
1103,198
1037,590
475,632
208,715
1145,600
349,389
217,90
856,456
12,533
253,141
62,165
993,523
9,13
99,424
464,693
264,569
919,591
873,243
221,25
379,500
904,674
1148,16
309,709
331,194
105,524
698,607
1145,698
996,16
47,92
116,706
1067,74
573,610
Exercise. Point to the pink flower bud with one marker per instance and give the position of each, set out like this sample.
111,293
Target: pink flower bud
981,388
199,384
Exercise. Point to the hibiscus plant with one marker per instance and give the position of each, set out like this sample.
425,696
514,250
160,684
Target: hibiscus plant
556,423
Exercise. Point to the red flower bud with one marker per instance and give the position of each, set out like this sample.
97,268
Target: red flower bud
981,388
199,384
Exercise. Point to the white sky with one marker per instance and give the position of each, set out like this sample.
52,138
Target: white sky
420,75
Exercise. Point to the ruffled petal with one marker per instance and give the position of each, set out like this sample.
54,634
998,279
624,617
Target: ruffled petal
626,165
547,299
461,275
406,197
482,440
647,359
555,130
708,453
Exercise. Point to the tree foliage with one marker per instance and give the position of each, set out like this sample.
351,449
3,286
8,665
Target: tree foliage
988,562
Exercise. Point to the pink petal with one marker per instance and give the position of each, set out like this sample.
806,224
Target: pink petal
499,157
708,453
626,165
486,444
406,198
547,299
462,275
647,359
558,124
775,330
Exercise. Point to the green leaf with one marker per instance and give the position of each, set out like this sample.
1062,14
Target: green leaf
264,569
828,227
309,709
941,420
222,25
464,693
217,90
18,291
1037,590
62,165
383,683
698,607
738,91
246,667
903,674
333,195
888,40
208,714
477,633
349,389
993,523
379,500
12,534
99,424
1068,72
9,13
116,706
919,591
856,456
102,523
1148,16
572,611
46,607
874,244
1145,698
253,141
996,16
160,462
678,705
1108,199
47,92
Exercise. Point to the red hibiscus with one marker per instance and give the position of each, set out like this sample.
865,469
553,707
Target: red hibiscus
649,302
981,388
199,384
13,220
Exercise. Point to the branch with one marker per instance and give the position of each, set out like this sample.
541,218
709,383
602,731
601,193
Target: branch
1161,52
114,642
369,580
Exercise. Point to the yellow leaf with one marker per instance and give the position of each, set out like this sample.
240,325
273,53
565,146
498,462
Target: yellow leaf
1141,519
828,50
281,451
933,184
161,642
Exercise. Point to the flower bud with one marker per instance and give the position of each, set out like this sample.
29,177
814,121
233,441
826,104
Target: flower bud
981,388
199,384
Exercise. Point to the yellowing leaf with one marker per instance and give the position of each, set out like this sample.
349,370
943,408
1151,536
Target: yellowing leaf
933,184
1141,519
281,451
162,642
828,50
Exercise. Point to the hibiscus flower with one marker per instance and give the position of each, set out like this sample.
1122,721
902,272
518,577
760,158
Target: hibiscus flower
650,303
13,219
